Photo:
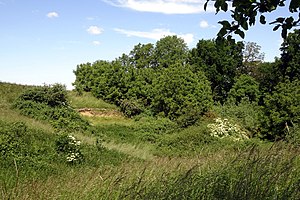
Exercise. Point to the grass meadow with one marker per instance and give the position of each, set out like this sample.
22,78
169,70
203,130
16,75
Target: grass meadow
136,158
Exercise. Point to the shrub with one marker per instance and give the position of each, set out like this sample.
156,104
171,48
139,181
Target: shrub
52,95
178,90
131,107
26,145
244,87
50,103
282,109
247,114
222,128
12,139
70,147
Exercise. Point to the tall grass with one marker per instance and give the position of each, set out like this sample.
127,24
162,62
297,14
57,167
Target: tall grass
256,173
87,100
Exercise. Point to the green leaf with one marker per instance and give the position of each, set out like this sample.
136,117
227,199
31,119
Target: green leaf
262,19
222,32
276,27
244,24
280,20
225,24
284,32
224,6
294,5
240,33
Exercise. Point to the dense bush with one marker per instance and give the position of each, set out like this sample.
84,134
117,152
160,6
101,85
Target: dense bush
244,87
24,144
178,91
246,114
50,103
70,147
282,109
131,107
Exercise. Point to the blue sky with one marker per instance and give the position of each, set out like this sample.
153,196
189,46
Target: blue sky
42,41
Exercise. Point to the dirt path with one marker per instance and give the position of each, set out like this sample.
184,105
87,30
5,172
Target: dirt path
94,112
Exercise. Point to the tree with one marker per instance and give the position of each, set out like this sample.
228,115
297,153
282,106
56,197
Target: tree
142,56
219,63
244,87
252,58
245,13
282,109
170,50
290,56
179,91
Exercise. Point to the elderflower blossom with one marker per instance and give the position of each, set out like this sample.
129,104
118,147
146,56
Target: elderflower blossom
74,145
223,128
73,157
73,141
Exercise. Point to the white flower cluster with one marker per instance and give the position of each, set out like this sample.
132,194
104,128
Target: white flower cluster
74,154
223,128
73,157
73,141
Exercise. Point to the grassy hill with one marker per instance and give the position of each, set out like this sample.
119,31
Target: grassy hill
134,158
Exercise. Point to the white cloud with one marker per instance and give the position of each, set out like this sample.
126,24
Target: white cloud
204,24
155,34
52,15
90,18
164,6
94,30
96,43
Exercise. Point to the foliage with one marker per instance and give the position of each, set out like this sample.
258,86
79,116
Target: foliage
25,145
252,58
246,114
290,57
70,147
142,56
244,87
55,95
170,50
219,63
111,81
222,128
282,109
138,82
268,76
178,90
50,103
131,107
245,14
11,139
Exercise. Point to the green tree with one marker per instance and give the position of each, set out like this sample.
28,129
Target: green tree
282,109
179,91
83,77
112,82
245,13
87,73
142,56
267,76
170,50
290,57
244,87
220,64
